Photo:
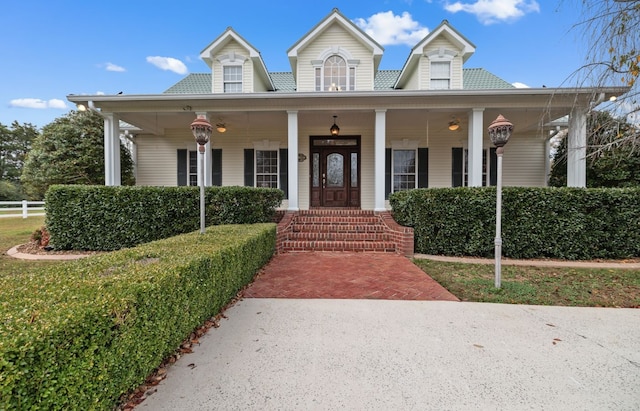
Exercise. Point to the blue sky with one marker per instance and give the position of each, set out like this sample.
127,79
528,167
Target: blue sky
54,48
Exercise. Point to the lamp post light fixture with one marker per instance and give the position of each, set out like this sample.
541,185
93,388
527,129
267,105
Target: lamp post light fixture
201,130
499,132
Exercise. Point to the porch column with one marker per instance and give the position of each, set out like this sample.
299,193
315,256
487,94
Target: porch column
292,144
475,147
577,148
378,160
207,156
111,149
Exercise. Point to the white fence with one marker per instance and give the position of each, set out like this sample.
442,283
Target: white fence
22,208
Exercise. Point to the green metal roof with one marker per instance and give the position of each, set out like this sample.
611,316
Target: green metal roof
473,79
481,79
385,79
283,81
194,83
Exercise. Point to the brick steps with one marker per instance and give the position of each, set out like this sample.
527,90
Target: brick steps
343,230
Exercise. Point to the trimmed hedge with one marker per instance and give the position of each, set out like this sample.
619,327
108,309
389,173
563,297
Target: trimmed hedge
81,334
105,218
564,223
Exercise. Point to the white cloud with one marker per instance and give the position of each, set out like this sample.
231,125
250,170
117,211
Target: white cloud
168,63
114,67
389,29
493,11
38,103
519,85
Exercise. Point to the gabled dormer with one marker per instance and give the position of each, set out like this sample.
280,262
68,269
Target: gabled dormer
436,62
236,66
335,55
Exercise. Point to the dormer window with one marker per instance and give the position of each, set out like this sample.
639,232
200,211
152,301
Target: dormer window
440,61
440,75
232,78
335,73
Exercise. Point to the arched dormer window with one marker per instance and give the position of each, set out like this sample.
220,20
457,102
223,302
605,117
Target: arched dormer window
334,72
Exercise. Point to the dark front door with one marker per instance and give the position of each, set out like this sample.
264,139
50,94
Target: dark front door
335,172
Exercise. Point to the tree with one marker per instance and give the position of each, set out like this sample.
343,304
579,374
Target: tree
70,150
613,160
611,29
15,143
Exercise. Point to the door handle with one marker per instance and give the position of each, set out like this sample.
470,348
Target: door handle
324,180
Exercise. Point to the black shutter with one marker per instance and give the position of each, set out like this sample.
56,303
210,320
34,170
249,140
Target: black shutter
387,173
493,167
216,167
457,159
284,171
182,167
248,167
423,167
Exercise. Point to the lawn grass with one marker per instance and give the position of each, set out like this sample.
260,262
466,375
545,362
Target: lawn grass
14,231
584,287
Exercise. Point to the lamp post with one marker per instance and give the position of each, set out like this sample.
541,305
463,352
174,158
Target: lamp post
201,130
499,132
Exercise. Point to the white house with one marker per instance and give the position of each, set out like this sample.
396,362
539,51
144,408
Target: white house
423,125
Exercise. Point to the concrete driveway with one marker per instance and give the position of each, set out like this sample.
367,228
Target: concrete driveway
313,354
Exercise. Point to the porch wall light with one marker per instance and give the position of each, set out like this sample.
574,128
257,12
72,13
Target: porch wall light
335,130
221,127
454,125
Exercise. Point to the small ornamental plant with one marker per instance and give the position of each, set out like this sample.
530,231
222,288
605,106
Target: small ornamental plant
41,236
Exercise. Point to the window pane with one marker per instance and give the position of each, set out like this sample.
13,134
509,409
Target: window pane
440,69
404,170
316,169
318,79
232,78
352,78
193,168
335,170
267,168
354,169
233,73
335,74
439,84
440,75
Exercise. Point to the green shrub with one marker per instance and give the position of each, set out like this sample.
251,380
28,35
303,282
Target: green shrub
81,334
564,223
109,218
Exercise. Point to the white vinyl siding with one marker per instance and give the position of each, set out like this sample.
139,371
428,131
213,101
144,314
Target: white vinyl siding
333,36
246,64
455,80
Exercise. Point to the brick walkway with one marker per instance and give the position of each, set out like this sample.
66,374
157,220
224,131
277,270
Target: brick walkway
344,275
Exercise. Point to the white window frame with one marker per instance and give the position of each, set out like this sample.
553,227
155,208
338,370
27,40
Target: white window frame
403,145
440,55
192,167
235,82
270,146
351,73
439,78
486,160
